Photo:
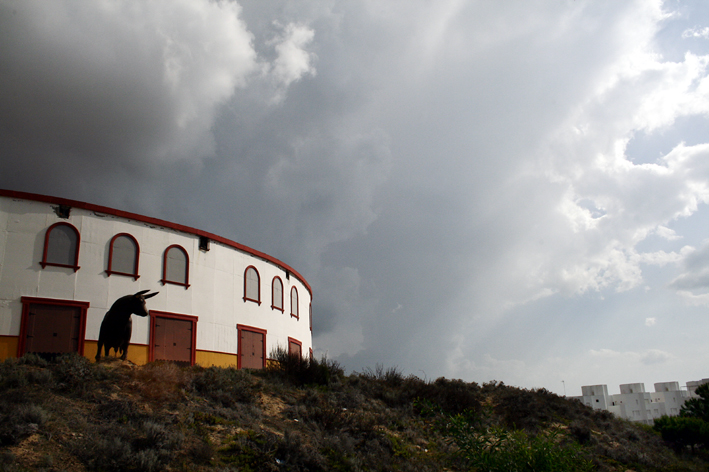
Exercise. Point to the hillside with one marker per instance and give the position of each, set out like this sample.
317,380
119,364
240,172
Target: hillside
73,415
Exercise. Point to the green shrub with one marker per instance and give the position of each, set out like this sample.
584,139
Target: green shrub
162,382
681,432
226,386
18,422
74,374
300,371
496,449
149,447
697,407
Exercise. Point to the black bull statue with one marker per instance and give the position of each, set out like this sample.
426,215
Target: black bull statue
117,326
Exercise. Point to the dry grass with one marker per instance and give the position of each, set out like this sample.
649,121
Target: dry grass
303,415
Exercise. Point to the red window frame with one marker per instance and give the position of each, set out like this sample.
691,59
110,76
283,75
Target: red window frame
297,302
154,314
44,262
164,279
239,354
273,296
258,285
27,301
136,261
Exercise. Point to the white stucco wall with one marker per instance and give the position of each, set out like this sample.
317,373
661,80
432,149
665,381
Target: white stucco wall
215,294
634,403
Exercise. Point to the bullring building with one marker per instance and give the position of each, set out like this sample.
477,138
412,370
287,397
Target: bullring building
63,263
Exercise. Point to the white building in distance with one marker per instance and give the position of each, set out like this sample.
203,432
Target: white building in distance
635,404
63,263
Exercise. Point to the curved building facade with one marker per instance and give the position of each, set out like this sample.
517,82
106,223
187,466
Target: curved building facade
63,263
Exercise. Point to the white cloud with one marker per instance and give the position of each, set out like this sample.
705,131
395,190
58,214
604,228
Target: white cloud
696,32
667,233
650,322
648,357
293,60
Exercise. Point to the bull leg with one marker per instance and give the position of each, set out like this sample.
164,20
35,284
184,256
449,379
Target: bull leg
124,348
98,351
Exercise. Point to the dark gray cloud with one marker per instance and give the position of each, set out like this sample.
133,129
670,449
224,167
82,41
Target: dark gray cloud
450,177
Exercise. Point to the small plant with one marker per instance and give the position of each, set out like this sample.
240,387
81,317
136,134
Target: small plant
73,373
162,382
226,386
300,371
497,449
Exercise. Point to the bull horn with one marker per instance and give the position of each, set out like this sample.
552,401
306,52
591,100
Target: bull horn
150,295
141,292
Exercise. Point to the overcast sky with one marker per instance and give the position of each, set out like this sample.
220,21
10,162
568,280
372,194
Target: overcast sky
512,191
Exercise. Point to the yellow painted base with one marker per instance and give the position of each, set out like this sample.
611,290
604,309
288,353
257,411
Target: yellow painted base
216,359
137,353
8,347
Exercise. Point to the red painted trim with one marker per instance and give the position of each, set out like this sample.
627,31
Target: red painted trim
44,262
273,300
154,314
295,341
154,221
295,315
217,352
26,301
135,262
239,329
164,279
258,286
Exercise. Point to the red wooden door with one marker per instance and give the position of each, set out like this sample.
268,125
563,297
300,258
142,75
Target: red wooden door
252,349
294,349
52,329
173,340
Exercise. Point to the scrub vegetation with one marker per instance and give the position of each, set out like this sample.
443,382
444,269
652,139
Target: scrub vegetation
301,415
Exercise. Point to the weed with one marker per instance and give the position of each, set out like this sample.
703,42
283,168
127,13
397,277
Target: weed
18,423
162,382
251,451
300,371
226,386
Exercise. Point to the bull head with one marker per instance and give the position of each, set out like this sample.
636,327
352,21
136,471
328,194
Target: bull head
138,307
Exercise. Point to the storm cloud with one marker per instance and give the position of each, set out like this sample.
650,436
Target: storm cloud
473,189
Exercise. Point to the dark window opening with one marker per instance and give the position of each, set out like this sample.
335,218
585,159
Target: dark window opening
62,211
203,243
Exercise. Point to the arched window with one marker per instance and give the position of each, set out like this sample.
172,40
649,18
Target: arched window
61,246
123,253
252,285
294,302
176,266
277,294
